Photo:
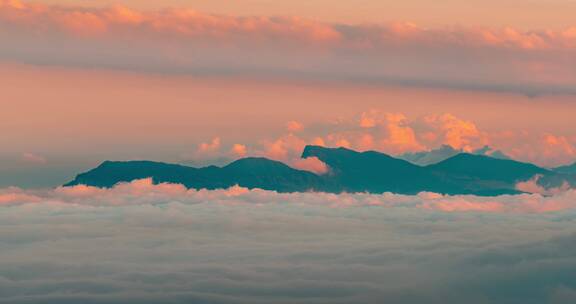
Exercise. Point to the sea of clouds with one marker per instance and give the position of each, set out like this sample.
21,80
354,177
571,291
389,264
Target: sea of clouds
146,243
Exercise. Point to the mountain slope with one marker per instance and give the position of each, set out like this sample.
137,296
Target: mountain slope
372,171
249,172
487,168
570,169
445,152
484,175
350,171
430,157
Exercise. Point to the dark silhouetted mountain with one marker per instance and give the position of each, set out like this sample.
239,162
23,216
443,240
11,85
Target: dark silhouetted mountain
570,169
489,151
425,158
445,152
373,172
248,172
350,171
478,174
487,168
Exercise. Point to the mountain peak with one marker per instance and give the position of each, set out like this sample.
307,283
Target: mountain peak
351,171
568,169
317,151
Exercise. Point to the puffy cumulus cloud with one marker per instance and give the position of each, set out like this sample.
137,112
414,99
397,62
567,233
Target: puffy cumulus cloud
145,191
215,151
545,149
145,243
288,149
533,186
206,151
239,150
400,137
396,133
450,130
210,147
187,41
312,164
392,133
284,148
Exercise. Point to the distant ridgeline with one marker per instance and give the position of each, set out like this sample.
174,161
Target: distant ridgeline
350,171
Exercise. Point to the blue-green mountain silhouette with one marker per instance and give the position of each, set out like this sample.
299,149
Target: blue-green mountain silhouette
444,152
350,171
570,169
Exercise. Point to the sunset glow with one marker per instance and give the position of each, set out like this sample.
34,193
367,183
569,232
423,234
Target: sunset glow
274,151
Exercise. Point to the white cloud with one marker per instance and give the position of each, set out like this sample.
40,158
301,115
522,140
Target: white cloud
144,243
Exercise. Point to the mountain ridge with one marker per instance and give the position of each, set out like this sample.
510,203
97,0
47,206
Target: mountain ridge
349,171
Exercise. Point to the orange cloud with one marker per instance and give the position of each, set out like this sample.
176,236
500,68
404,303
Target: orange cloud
312,164
455,132
400,138
395,133
184,40
295,126
210,147
239,150
189,23
284,148
174,22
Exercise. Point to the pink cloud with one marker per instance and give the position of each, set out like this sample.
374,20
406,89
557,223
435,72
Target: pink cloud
532,186
450,130
119,20
284,148
17,196
545,149
189,23
206,151
239,150
396,133
143,192
183,40
312,164
33,158
462,205
212,146
295,126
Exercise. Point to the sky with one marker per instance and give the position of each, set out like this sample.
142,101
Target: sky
535,14
207,82
201,82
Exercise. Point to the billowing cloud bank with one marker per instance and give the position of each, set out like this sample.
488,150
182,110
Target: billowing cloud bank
187,41
140,243
394,134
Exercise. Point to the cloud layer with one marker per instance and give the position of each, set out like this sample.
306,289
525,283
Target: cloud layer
187,41
395,134
144,243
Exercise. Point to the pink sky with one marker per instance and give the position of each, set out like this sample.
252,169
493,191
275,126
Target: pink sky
528,14
131,79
